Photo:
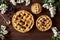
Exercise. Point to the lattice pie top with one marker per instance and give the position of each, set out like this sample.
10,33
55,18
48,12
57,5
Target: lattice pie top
23,21
44,23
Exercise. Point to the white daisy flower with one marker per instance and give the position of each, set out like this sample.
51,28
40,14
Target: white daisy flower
3,27
5,32
46,6
13,2
54,29
20,1
52,11
27,2
3,8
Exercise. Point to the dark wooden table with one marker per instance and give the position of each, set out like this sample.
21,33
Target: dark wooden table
33,34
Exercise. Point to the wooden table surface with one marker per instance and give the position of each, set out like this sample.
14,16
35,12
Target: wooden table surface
33,34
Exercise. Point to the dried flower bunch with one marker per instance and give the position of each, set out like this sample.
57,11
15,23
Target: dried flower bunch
56,35
3,6
20,1
52,5
48,4
3,31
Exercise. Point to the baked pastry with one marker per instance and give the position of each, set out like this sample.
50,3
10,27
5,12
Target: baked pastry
44,23
36,8
23,21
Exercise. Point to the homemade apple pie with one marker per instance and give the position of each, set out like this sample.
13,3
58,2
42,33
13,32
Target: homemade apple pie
36,8
23,21
44,23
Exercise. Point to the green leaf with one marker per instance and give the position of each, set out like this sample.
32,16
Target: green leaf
48,1
45,1
4,2
51,1
53,38
59,0
56,38
58,6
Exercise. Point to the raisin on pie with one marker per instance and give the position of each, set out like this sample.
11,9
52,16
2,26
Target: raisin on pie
23,21
44,23
36,8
